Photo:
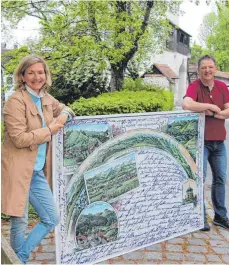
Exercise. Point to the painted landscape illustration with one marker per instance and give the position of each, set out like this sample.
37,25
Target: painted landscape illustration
190,192
185,131
112,179
105,156
81,140
115,148
96,225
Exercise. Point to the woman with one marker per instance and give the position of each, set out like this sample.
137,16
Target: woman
31,117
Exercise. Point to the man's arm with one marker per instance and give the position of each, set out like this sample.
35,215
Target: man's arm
190,104
223,114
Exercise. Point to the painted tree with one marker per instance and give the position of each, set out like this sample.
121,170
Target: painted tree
78,36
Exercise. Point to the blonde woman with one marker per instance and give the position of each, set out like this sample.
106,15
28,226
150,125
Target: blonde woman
31,117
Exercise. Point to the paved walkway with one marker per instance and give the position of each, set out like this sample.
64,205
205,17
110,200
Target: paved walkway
194,248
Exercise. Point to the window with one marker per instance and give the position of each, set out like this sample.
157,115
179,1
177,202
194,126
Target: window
183,38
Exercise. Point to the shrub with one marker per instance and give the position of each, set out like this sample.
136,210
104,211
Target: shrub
138,84
124,102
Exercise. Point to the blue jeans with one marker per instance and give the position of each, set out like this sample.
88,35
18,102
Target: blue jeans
41,198
215,153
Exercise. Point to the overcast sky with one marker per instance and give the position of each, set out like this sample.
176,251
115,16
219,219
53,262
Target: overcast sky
193,18
189,22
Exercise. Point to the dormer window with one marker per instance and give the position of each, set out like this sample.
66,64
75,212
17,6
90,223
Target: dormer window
183,38
178,41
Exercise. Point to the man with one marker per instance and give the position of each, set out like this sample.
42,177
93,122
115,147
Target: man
212,96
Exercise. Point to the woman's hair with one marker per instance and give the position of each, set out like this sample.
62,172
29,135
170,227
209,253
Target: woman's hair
25,63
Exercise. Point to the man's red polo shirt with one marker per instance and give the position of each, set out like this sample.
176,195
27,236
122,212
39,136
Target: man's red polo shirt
214,128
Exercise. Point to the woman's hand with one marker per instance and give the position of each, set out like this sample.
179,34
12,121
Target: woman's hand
55,126
62,118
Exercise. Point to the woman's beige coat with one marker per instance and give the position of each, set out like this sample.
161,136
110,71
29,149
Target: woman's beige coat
23,134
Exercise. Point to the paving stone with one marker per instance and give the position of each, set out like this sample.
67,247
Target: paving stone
7,238
197,242
218,243
153,255
225,258
216,237
34,262
196,257
224,233
213,258
197,249
224,251
206,248
103,262
35,249
188,236
48,248
201,235
170,262
174,248
45,256
154,247
6,229
121,262
134,255
173,256
177,240
51,262
46,241
190,262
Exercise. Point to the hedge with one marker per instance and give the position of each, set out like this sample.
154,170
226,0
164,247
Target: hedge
124,102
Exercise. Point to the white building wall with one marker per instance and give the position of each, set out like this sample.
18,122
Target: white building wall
10,89
178,63
225,80
160,81
174,18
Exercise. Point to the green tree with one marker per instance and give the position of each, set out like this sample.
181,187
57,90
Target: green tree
209,22
215,35
196,52
103,35
218,41
9,60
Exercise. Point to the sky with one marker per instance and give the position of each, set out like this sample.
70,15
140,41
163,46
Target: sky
192,19
189,22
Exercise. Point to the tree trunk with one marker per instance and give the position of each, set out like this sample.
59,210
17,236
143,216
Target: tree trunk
117,77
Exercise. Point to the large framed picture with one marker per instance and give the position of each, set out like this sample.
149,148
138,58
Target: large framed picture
124,182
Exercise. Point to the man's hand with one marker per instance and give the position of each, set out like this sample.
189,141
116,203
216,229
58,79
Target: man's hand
209,112
190,104
55,126
214,108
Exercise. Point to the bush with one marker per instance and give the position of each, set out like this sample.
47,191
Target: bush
138,84
124,102
32,214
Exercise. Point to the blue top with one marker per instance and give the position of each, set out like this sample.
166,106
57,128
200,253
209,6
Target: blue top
40,160
41,155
